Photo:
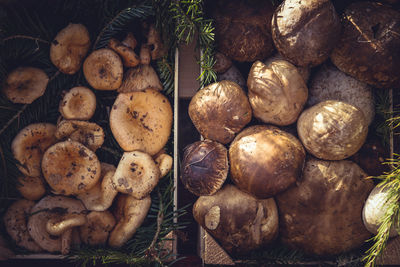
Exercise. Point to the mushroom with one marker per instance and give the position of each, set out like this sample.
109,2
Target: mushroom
25,84
69,47
70,168
222,63
128,55
29,146
87,133
101,196
144,54
141,121
220,110
137,174
154,41
103,69
140,78
98,227
31,188
15,221
130,214
204,167
79,103
48,214
129,41
164,163
303,71
234,75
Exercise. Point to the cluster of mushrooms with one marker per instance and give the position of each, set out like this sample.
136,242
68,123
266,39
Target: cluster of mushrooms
89,201
274,161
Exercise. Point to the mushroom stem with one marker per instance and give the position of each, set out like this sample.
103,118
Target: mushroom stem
66,239
58,225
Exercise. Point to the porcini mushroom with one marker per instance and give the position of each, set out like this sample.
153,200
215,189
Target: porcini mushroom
31,188
15,221
137,174
69,47
139,79
141,121
98,227
70,168
103,69
101,196
128,55
53,208
29,146
79,103
158,49
87,133
130,214
25,84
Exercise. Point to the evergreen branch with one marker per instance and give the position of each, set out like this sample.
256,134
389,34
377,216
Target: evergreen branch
13,118
20,36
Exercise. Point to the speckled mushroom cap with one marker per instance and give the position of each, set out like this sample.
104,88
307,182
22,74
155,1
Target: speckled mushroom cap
15,221
69,47
141,121
103,69
79,103
98,227
32,188
70,168
25,84
29,146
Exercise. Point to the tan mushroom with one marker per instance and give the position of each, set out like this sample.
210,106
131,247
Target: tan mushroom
130,41
154,40
88,134
103,69
70,168
25,84
98,227
101,196
79,103
141,121
144,54
128,55
139,79
47,213
69,47
31,188
130,214
164,163
15,221
137,174
29,146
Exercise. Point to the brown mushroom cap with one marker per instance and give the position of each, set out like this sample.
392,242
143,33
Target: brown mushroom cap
79,103
98,227
128,55
332,130
70,168
239,221
222,63
88,134
29,146
321,214
265,160
140,78
25,84
130,214
15,221
232,74
103,69
141,121
31,188
220,110
48,208
137,174
204,167
154,40
69,47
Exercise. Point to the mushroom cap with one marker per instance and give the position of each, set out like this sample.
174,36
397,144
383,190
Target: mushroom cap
101,196
47,208
98,227
127,54
220,110
137,174
69,47
141,121
140,78
79,103
31,188
164,163
103,69
25,84
204,167
29,146
332,130
303,71
232,74
15,221
87,133
130,214
70,168
222,63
